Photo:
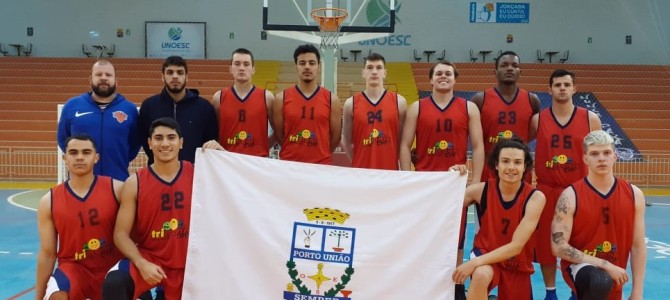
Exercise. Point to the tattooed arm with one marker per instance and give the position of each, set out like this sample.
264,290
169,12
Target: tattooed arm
561,229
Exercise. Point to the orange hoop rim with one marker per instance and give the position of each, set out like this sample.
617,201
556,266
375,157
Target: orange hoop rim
329,23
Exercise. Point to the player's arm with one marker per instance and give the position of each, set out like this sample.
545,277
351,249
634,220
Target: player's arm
134,140
46,257
117,186
407,137
125,219
561,229
278,117
269,101
594,121
535,105
347,127
477,141
216,104
639,250
402,113
335,122
478,99
63,131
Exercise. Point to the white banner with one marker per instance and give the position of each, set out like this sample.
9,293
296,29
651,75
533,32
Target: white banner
186,39
270,229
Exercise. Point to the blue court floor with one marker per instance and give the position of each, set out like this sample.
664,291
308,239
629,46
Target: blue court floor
19,244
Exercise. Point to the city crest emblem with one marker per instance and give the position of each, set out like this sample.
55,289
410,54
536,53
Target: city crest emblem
320,264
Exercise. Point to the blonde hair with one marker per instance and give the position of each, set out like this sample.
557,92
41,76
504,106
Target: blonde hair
598,137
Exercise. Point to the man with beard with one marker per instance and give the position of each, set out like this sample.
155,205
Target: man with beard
108,117
194,114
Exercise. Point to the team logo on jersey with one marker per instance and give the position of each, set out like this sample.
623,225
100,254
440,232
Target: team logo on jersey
606,250
92,245
442,147
561,161
304,136
506,134
120,116
376,137
170,228
242,137
322,255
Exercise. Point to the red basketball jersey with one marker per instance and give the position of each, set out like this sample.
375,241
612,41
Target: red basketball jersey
243,123
306,126
559,148
499,219
376,132
441,134
163,215
504,120
603,225
85,225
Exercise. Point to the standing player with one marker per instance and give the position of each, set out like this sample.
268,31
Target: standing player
508,210
598,223
194,114
243,111
560,133
75,221
108,117
307,118
506,110
373,120
156,209
442,124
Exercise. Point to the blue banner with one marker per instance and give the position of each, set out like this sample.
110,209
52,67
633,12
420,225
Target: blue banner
499,12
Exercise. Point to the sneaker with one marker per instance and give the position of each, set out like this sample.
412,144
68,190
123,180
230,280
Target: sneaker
551,295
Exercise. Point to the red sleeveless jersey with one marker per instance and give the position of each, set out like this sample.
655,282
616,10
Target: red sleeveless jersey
243,123
376,132
85,225
163,215
499,219
306,126
559,148
441,134
603,225
504,120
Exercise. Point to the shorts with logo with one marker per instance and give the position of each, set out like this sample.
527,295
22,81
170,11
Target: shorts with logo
172,286
78,281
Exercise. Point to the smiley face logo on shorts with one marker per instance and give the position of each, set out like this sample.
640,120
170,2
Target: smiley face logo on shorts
93,244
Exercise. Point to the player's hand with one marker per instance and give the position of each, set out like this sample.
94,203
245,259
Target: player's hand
462,272
212,144
462,169
151,273
618,274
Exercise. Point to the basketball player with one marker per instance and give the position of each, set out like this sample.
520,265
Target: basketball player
307,118
156,208
598,223
243,111
508,209
75,221
373,120
442,124
506,110
560,133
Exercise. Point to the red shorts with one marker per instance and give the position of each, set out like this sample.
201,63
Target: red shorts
543,253
511,285
172,285
78,281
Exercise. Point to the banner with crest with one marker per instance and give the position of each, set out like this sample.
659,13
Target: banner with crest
269,229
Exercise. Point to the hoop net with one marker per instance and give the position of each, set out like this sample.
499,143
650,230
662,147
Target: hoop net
330,20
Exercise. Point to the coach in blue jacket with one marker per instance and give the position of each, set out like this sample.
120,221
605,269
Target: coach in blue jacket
194,114
108,117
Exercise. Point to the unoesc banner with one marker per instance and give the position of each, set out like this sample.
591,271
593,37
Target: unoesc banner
185,39
491,12
271,229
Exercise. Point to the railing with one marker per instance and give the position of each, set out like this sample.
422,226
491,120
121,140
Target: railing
40,163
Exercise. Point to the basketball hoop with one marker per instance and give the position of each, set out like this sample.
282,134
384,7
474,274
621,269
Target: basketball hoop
330,20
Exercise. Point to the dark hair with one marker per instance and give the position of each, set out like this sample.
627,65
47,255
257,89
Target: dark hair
244,51
515,143
503,54
374,57
306,48
81,137
174,61
442,62
560,73
165,122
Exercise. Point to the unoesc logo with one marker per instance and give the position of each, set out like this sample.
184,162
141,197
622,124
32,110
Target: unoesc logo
174,34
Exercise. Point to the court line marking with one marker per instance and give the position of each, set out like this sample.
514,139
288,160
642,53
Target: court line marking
11,201
21,293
